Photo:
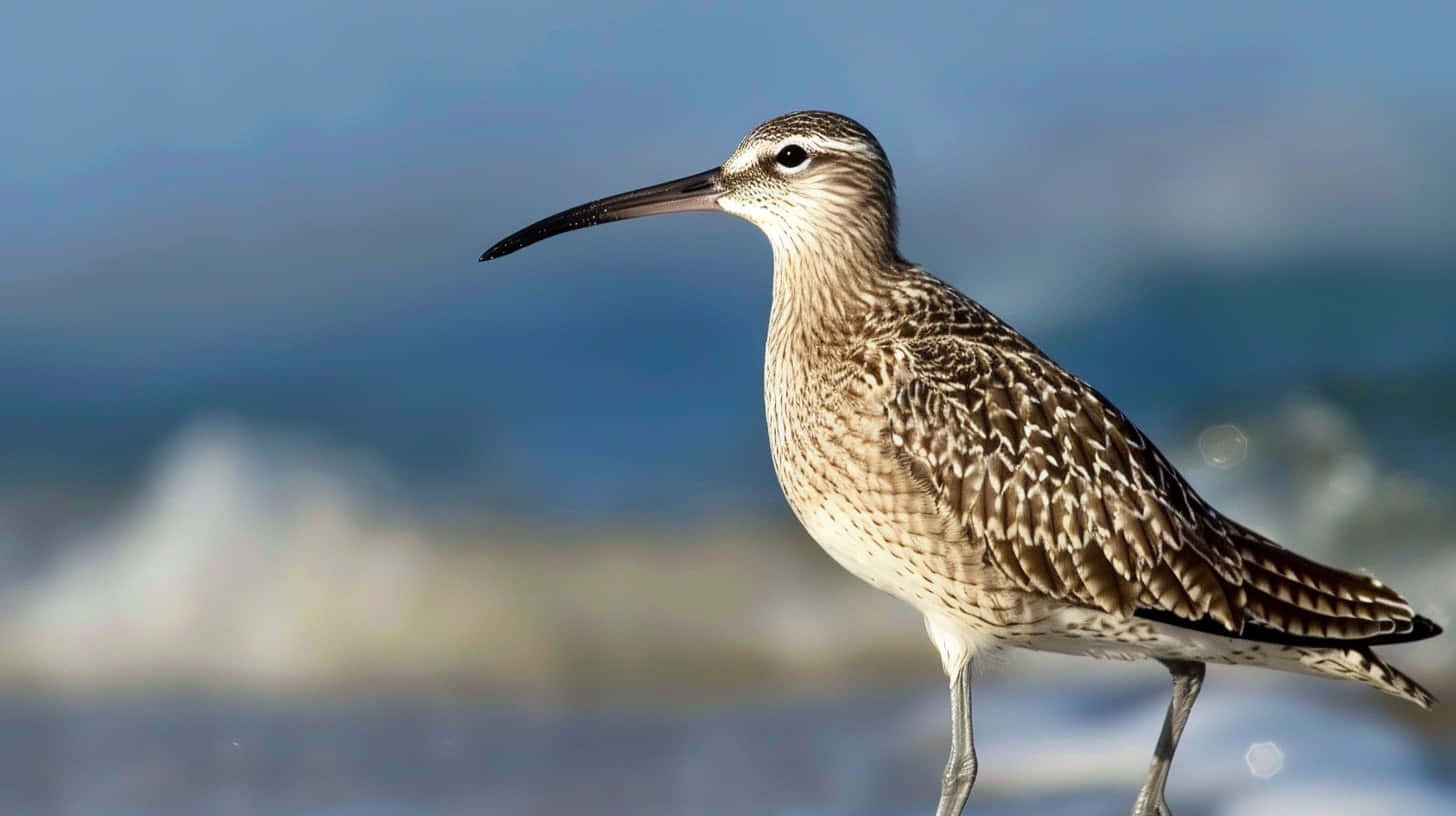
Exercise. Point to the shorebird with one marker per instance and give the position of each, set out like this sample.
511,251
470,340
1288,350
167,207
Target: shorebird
939,455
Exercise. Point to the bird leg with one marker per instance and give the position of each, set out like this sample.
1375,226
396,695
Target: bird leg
960,769
1187,680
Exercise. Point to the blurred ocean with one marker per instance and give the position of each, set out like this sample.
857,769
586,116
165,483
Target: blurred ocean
237,551
264,622
1278,748
304,512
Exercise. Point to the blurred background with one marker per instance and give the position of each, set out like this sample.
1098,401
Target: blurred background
302,511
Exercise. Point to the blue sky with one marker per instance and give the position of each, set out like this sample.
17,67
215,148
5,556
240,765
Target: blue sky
178,117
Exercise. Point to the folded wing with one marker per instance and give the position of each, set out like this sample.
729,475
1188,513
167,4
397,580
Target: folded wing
1074,502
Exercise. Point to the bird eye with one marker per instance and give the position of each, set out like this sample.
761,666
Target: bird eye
792,156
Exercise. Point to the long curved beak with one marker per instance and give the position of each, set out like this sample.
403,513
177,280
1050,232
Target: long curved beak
694,193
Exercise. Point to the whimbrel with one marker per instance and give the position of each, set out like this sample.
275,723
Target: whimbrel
939,455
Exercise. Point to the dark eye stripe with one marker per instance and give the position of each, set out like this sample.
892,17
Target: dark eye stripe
792,156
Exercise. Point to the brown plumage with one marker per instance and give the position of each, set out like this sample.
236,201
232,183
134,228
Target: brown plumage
1075,503
939,455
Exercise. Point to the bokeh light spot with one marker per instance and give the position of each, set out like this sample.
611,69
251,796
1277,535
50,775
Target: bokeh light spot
1264,759
1223,446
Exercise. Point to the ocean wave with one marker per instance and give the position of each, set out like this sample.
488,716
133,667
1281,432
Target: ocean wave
260,562
252,561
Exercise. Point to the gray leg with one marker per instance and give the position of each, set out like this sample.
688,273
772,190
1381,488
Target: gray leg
960,769
1187,680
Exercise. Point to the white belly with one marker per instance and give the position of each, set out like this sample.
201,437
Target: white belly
860,545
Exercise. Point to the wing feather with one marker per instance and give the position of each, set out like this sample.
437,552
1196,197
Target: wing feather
1072,501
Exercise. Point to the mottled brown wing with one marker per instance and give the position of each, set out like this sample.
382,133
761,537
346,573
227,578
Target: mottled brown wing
1073,501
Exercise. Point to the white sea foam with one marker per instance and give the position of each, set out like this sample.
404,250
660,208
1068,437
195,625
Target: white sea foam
261,562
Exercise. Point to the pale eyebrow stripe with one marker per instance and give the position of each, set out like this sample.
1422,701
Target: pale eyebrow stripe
812,142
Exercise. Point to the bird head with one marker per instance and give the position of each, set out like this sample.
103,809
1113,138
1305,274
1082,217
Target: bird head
812,181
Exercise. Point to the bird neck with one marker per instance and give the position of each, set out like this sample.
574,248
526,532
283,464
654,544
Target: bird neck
823,288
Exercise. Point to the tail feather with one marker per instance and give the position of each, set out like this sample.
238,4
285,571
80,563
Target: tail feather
1309,602
1365,667
1289,600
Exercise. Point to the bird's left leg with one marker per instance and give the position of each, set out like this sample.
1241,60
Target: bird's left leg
960,768
1187,680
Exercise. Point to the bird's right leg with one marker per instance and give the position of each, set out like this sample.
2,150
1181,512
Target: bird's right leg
960,769
1187,680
